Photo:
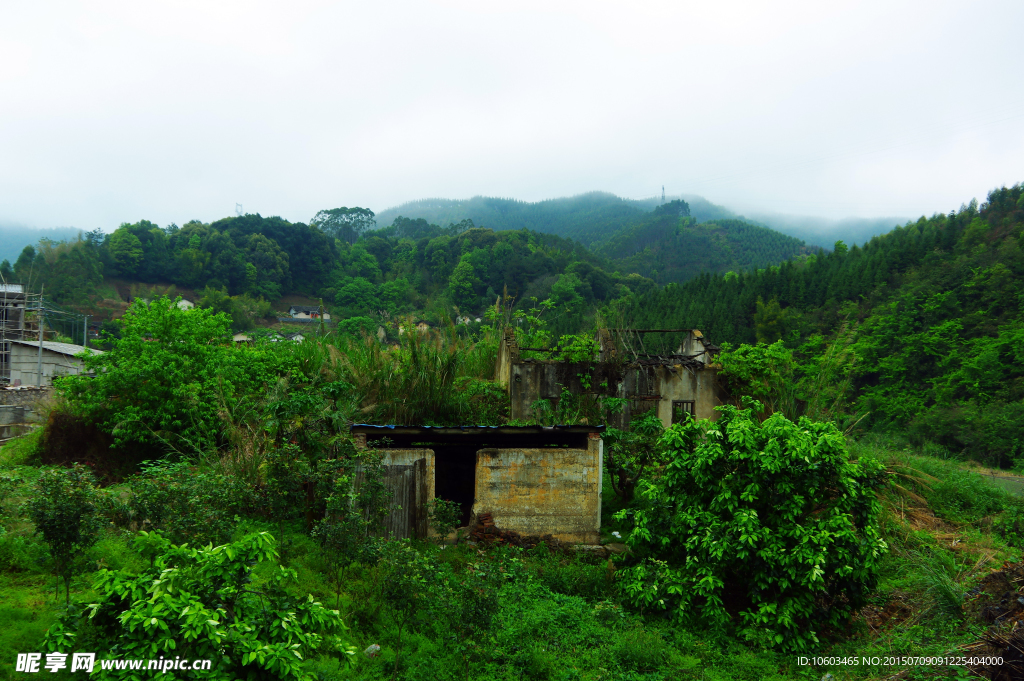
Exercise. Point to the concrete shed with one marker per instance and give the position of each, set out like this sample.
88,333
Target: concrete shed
534,480
58,360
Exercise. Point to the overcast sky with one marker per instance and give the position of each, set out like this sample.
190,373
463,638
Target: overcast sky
169,111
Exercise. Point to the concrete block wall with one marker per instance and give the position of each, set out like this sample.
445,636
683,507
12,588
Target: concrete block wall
542,491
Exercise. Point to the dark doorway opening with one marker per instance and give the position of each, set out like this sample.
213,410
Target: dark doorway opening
455,477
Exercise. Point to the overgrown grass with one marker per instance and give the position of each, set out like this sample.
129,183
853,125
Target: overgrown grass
561,617
21,450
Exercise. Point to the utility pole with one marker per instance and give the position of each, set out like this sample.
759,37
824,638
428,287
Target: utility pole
39,320
321,317
85,329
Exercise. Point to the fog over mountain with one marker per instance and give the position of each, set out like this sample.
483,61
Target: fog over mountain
14,238
593,217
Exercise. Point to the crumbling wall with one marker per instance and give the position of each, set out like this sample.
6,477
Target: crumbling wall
532,380
652,384
677,383
542,491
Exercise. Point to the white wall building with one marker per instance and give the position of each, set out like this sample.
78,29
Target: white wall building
58,360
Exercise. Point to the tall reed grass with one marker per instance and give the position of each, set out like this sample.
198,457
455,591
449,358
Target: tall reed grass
416,381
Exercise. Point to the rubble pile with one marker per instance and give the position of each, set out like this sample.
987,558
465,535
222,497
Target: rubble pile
487,533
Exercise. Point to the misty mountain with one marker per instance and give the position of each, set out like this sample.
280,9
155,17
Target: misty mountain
13,238
586,218
669,241
824,232
669,245
597,217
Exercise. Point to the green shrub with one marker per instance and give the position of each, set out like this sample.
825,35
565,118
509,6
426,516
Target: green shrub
201,603
65,509
445,516
184,503
772,516
165,381
19,553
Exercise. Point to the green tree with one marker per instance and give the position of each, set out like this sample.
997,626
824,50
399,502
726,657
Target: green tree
358,295
351,509
166,378
23,266
462,286
126,249
250,278
65,509
203,603
445,515
272,266
771,322
628,454
404,586
343,223
774,515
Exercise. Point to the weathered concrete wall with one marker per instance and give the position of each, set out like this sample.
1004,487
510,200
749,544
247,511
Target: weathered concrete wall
647,386
533,380
542,491
24,398
679,383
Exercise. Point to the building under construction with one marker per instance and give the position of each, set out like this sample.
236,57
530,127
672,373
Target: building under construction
29,352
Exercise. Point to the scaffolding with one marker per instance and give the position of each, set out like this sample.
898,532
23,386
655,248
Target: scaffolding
27,316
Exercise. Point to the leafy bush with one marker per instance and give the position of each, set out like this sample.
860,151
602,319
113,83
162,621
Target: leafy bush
65,510
444,518
640,650
356,500
768,521
203,604
629,453
186,504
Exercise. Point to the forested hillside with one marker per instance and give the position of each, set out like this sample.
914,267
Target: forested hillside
670,246
926,323
585,218
244,265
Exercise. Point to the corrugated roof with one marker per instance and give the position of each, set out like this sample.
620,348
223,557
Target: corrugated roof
62,348
492,429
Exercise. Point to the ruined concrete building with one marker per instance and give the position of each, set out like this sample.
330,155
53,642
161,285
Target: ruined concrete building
676,385
533,480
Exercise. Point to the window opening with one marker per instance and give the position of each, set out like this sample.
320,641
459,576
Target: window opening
682,410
